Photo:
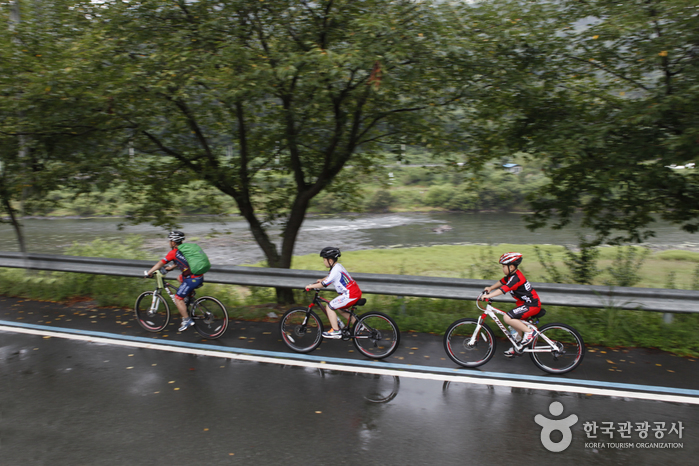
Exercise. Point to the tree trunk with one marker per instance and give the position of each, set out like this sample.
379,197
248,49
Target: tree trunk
16,225
293,225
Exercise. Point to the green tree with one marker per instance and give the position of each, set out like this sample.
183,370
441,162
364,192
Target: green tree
239,92
47,118
604,92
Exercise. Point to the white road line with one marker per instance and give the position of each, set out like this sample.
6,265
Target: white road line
556,387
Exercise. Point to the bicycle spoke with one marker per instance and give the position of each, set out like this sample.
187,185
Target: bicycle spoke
210,317
376,335
300,330
457,343
566,353
152,312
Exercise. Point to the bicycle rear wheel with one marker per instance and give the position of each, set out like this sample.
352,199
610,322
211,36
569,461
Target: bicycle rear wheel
566,354
457,339
210,317
301,329
376,335
152,311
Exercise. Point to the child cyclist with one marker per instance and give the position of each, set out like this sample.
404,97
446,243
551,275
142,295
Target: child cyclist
528,302
349,292
188,280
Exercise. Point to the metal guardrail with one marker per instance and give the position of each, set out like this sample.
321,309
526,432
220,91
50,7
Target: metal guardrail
648,299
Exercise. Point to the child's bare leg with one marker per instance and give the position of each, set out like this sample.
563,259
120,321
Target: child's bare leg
332,317
516,324
346,315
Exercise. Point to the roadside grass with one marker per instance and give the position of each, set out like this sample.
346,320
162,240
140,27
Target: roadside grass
605,325
481,262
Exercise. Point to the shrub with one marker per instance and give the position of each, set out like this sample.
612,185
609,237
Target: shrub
463,201
626,266
439,195
326,203
381,201
583,264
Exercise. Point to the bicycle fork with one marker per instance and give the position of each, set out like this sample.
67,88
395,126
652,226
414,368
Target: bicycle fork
154,303
477,332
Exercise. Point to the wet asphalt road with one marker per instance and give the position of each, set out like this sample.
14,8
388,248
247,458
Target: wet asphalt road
75,402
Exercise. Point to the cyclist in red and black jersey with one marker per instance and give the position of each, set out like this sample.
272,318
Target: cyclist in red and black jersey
528,303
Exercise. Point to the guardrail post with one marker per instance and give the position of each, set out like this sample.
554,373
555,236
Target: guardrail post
402,305
667,317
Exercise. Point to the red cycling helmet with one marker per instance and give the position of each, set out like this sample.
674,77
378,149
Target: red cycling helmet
511,258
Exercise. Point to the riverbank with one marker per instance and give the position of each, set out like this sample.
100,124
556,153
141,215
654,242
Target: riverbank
388,188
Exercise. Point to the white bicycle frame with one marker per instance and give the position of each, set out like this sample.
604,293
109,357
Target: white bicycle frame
492,312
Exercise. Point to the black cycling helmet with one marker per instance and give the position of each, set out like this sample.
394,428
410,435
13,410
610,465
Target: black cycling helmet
176,236
330,253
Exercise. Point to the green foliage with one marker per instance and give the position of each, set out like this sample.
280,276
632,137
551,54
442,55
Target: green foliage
270,111
690,256
49,116
602,93
464,200
552,274
625,270
487,266
380,201
619,328
421,176
582,264
670,280
439,195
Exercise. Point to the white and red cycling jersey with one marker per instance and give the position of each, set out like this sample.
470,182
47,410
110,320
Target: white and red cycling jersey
344,285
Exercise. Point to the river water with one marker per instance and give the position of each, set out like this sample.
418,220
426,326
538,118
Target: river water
230,242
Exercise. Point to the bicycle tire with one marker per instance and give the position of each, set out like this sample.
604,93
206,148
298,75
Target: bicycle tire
456,340
210,317
376,335
301,334
570,344
152,320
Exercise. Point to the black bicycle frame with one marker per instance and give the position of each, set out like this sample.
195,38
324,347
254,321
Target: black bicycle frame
319,301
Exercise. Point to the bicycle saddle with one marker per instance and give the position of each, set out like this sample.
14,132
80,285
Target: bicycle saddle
361,302
538,316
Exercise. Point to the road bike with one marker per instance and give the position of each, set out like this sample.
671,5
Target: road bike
374,334
557,349
153,312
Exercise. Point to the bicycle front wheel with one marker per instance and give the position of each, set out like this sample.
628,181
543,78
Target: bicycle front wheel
376,335
457,343
210,317
301,329
152,311
566,353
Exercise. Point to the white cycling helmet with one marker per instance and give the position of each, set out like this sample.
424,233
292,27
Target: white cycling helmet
176,236
511,258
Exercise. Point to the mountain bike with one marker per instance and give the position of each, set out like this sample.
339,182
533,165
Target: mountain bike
557,349
153,312
374,334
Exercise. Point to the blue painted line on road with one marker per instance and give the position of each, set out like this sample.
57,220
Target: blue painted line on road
362,363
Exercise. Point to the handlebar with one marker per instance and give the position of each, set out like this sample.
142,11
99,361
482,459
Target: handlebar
162,272
478,300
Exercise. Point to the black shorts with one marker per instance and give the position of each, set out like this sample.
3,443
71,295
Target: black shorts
524,312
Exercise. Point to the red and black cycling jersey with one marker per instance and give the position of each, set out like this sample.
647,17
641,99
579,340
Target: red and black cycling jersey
520,289
180,261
